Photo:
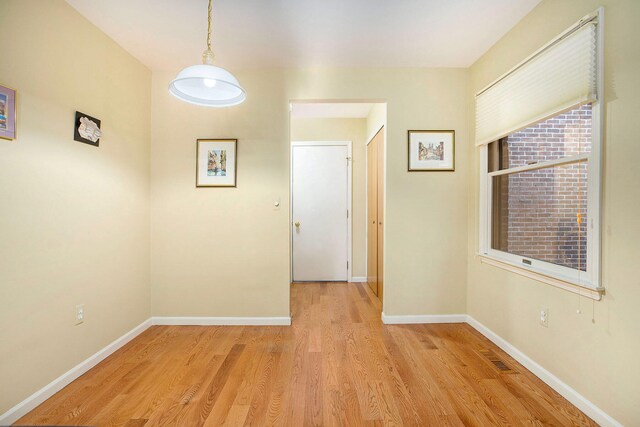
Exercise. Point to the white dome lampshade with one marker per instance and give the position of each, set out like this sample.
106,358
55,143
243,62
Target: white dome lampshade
208,86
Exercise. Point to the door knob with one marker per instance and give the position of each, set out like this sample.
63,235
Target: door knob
297,224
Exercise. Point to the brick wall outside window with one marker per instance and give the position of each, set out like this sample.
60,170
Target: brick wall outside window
538,210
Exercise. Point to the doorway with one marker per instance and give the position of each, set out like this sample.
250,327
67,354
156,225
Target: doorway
320,209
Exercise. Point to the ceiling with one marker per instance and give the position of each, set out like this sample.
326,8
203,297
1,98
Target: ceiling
171,34
333,110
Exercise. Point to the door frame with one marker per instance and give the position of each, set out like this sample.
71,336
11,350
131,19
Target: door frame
349,199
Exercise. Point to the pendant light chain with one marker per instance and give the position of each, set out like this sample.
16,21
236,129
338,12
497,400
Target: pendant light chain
209,27
207,55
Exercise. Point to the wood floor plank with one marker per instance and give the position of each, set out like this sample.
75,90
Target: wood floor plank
202,406
422,379
364,380
222,407
280,397
237,415
313,414
337,365
262,390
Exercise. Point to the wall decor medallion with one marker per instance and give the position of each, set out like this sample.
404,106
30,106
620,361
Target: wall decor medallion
87,129
216,162
8,115
431,150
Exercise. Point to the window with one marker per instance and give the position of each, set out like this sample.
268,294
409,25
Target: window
539,179
540,182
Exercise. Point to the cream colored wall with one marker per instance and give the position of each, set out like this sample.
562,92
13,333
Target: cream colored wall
353,130
376,119
225,252
74,220
599,360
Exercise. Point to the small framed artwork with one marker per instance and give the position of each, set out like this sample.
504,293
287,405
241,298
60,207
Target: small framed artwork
87,129
8,115
432,150
216,162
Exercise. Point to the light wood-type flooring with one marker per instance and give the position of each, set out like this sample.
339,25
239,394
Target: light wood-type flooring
337,365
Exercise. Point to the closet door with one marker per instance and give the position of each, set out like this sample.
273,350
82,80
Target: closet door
380,143
372,215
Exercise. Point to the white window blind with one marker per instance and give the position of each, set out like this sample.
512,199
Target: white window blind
558,77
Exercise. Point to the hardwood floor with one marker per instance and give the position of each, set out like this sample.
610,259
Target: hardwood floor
337,365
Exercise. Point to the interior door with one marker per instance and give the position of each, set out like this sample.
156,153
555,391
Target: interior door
372,216
380,144
375,213
319,192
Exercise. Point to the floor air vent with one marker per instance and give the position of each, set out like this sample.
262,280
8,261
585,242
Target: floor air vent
497,362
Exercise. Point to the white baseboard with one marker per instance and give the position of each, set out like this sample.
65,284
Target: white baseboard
578,400
423,318
31,402
357,279
214,321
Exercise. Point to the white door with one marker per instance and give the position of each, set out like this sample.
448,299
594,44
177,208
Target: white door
320,202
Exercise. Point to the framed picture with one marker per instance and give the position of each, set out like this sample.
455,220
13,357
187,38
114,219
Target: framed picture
432,150
216,162
87,129
8,115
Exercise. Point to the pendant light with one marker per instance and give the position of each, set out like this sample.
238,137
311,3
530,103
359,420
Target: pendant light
206,84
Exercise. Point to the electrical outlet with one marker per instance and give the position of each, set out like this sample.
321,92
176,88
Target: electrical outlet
544,317
79,314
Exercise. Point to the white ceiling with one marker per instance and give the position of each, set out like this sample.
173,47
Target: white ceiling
324,110
171,34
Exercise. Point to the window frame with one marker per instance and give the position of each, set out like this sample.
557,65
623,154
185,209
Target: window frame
585,283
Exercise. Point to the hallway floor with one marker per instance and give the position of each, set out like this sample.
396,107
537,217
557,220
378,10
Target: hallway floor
337,365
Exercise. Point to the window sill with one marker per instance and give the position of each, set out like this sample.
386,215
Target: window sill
595,294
